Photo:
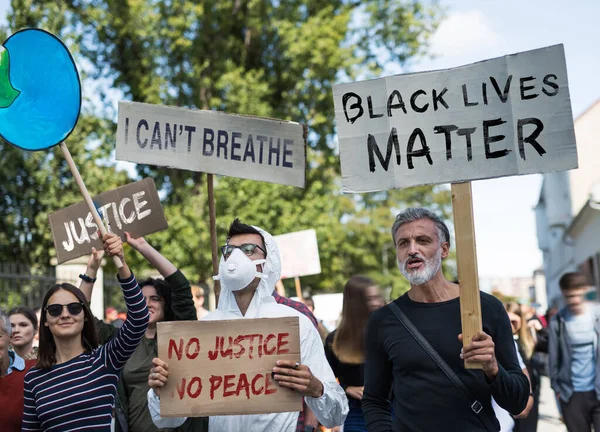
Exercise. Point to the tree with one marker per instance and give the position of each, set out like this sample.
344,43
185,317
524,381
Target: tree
261,57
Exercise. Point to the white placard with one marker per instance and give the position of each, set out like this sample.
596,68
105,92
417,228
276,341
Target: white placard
209,141
299,253
505,116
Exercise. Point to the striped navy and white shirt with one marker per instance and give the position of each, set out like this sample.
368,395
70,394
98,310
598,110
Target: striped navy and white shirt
80,394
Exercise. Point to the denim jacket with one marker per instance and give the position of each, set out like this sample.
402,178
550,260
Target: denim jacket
559,354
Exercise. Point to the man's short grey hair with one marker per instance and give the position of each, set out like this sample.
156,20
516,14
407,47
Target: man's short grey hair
5,326
417,213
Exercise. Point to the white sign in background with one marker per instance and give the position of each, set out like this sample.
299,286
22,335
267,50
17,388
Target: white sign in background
209,141
299,253
505,116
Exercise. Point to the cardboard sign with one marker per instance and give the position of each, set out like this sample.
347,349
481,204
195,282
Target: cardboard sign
224,367
505,116
299,254
212,142
134,208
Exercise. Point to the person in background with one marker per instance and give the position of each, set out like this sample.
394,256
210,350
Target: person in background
507,422
168,300
12,372
345,346
111,315
36,337
73,385
574,353
198,296
310,304
523,334
24,326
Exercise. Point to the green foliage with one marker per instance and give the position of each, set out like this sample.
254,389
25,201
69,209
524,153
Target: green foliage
261,57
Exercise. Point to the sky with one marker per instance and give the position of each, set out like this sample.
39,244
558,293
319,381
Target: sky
475,30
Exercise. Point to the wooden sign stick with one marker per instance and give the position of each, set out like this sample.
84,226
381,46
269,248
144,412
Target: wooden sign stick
466,258
298,289
86,196
213,234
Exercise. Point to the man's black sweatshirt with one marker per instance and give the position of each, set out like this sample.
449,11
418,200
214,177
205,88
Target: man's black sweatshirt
423,397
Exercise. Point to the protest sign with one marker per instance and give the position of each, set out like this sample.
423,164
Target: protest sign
299,253
505,116
134,208
212,142
224,367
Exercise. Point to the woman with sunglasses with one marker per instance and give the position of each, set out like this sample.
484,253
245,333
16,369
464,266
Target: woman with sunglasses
168,300
73,385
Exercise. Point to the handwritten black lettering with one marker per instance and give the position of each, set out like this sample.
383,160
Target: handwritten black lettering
208,146
446,130
235,145
487,139
141,123
355,105
549,83
424,151
373,149
532,137
399,105
525,88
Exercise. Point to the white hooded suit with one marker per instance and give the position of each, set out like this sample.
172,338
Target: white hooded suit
330,409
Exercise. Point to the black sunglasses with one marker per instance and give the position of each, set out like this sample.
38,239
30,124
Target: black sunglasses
56,309
247,248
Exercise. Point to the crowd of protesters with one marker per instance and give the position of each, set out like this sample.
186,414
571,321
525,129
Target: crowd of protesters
389,367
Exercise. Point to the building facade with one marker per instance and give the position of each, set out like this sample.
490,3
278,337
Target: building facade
568,211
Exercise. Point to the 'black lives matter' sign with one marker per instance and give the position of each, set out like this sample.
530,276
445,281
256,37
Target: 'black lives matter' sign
134,208
500,117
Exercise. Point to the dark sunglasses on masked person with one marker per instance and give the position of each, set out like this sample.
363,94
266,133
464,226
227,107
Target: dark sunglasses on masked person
56,309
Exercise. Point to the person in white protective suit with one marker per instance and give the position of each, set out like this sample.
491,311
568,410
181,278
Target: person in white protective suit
249,269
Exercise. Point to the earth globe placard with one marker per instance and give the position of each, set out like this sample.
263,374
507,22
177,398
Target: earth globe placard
40,90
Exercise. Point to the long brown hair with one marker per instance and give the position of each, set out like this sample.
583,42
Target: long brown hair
348,342
47,347
526,343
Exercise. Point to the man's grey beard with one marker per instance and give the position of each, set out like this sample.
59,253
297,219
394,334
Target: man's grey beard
419,277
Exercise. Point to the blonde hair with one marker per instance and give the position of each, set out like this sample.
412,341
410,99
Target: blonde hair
526,343
196,289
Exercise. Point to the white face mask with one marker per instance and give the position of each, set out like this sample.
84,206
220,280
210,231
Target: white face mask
238,271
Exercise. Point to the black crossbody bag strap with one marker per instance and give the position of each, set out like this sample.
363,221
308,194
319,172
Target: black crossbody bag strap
475,405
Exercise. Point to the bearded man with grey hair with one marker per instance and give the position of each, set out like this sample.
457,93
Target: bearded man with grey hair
424,398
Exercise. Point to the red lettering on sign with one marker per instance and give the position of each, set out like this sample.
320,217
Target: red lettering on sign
181,389
260,345
173,347
267,350
256,391
194,394
237,344
243,385
268,381
248,345
215,382
195,351
212,355
229,351
281,342
228,383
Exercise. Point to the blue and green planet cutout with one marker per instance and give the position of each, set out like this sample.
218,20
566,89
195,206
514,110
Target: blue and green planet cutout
40,91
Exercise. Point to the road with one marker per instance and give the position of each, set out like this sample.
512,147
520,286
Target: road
549,420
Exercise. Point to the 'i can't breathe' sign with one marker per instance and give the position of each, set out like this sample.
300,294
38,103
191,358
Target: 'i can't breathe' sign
500,117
